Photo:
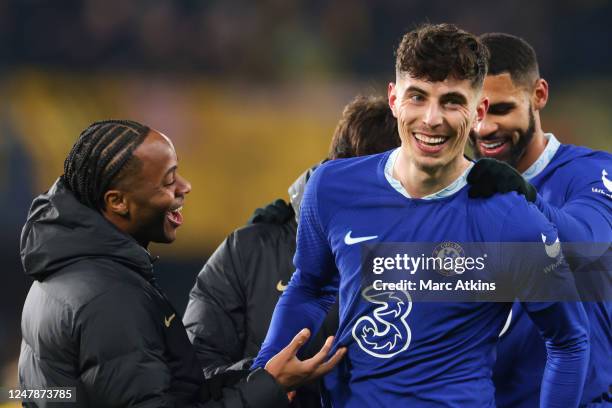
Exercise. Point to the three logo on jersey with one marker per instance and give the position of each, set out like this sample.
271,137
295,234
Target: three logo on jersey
384,332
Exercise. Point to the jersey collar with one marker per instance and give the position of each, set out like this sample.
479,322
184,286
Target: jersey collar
447,191
545,157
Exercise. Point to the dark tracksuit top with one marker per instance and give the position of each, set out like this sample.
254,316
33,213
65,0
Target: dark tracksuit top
94,319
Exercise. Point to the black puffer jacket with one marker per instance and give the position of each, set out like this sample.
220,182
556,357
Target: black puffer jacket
231,304
94,319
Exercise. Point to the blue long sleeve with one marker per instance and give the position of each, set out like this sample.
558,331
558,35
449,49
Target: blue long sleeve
583,219
298,307
313,287
564,327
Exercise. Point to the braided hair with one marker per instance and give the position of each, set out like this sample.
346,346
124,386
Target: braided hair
98,157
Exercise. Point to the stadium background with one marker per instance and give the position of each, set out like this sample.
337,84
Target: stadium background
249,91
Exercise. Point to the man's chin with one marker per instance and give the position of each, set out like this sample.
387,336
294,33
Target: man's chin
503,157
430,163
168,239
165,238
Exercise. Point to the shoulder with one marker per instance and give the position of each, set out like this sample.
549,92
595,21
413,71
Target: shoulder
261,234
581,162
585,154
89,293
511,218
338,180
255,238
247,248
578,170
351,167
80,283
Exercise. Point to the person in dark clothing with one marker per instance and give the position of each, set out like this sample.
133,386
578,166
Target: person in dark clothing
94,318
231,304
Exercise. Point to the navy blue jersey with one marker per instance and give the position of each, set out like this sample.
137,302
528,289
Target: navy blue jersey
575,194
425,354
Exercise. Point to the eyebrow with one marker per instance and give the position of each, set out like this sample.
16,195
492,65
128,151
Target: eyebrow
502,106
456,96
416,89
451,95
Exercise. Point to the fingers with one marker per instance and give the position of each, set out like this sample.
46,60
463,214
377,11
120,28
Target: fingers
329,364
297,342
321,356
320,364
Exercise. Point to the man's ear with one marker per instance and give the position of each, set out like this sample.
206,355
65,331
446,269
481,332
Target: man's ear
392,96
481,111
115,202
539,96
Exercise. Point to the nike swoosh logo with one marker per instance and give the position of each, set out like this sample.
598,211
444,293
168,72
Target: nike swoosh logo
280,287
348,240
168,320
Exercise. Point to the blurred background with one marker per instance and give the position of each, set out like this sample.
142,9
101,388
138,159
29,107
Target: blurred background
250,92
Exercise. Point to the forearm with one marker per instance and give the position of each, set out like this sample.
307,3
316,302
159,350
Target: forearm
577,222
297,308
565,329
564,375
258,390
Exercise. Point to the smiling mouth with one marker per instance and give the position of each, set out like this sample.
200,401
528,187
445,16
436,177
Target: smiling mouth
430,143
430,140
492,147
175,216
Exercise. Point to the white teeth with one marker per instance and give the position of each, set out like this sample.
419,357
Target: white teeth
177,210
492,145
430,140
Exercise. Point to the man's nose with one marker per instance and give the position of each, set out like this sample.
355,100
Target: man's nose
486,127
185,186
433,116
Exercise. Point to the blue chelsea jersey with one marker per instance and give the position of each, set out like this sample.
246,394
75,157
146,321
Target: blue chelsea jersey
575,193
429,354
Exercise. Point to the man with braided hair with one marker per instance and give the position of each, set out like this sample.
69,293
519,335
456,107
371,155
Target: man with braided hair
94,318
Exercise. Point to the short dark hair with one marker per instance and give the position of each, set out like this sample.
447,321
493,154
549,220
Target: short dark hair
436,52
512,54
367,126
101,158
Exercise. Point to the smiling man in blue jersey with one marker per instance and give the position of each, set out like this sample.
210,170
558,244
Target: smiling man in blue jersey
574,194
438,354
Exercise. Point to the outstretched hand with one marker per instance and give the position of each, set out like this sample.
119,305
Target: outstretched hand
291,372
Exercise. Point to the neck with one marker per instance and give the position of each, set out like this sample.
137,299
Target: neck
123,225
534,149
419,181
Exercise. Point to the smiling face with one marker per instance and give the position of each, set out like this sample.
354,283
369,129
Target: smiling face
509,127
149,202
435,118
